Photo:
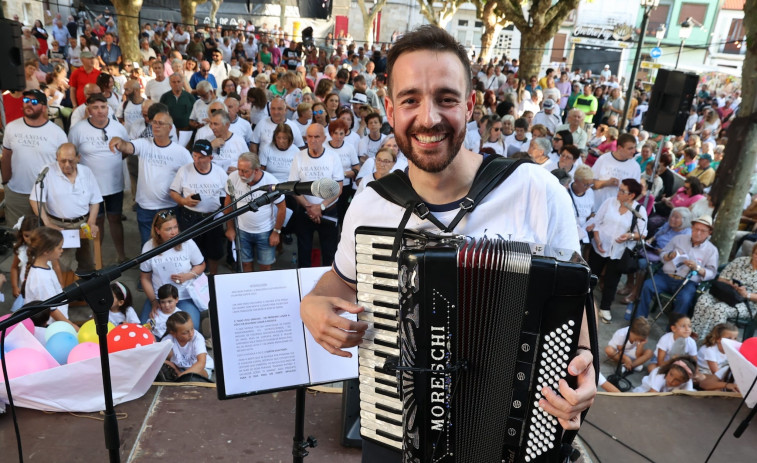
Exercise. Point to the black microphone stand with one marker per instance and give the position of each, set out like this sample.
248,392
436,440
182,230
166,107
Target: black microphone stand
237,238
94,288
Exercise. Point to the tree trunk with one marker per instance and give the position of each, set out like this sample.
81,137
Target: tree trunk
533,46
214,5
188,8
128,29
283,13
735,171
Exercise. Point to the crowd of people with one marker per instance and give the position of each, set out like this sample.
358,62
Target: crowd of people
206,115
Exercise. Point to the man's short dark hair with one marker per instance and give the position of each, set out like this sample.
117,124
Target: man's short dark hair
370,116
521,123
97,97
626,138
343,74
156,109
431,38
358,78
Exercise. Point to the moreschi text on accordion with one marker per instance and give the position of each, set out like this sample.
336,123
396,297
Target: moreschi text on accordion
463,335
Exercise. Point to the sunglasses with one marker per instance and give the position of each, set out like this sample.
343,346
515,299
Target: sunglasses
556,138
105,135
166,214
318,112
496,129
33,101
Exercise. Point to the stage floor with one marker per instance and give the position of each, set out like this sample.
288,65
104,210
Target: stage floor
192,425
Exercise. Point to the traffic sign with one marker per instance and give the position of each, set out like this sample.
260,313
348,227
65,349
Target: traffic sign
656,52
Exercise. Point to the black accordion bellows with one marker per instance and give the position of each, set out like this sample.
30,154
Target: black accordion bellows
473,329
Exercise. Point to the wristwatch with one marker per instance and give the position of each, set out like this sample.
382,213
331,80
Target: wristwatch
277,230
323,206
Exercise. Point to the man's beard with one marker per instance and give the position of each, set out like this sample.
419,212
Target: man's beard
34,114
426,163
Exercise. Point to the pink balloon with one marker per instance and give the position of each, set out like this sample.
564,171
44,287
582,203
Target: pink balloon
27,323
24,361
84,351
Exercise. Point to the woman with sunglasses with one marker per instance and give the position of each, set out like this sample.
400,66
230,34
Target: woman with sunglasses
320,114
177,266
491,135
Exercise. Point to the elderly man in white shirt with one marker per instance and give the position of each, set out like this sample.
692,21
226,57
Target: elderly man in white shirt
67,199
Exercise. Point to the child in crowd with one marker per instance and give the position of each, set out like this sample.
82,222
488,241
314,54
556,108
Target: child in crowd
712,361
635,354
168,297
675,344
121,311
44,249
188,354
673,376
20,258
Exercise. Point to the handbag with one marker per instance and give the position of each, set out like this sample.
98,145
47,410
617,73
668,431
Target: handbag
629,261
724,292
199,292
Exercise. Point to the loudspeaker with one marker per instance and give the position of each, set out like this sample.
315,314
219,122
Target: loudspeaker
316,9
11,64
672,96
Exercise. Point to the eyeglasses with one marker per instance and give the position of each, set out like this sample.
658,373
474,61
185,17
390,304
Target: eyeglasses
33,101
623,192
105,134
384,161
166,214
318,112
160,123
556,138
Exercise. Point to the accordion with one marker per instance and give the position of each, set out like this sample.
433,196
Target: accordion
463,335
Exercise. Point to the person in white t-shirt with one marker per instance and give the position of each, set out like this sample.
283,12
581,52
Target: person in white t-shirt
168,297
177,267
67,199
29,144
304,116
199,189
227,145
159,160
350,163
181,39
634,354
159,85
276,158
611,168
372,141
428,63
238,125
263,133
188,352
351,137
130,111
582,197
121,311
205,96
316,214
675,376
91,139
259,232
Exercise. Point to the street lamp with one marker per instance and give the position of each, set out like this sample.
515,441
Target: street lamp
684,32
648,6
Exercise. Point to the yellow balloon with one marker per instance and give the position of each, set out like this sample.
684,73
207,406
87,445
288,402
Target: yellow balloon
88,332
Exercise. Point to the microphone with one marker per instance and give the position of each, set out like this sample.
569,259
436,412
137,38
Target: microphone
633,211
230,186
42,174
323,188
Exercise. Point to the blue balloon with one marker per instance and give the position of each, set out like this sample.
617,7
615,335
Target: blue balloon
60,345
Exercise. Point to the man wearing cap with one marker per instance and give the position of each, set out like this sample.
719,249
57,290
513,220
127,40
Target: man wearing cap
80,113
199,188
159,160
180,102
91,137
67,199
86,74
704,172
109,52
259,232
606,72
263,133
692,257
548,116
29,145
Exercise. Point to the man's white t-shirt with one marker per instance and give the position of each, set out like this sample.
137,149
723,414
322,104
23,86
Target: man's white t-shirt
242,128
154,89
607,167
227,155
79,114
584,207
264,219
211,186
306,168
200,110
171,262
33,148
277,162
263,133
539,211
130,114
96,154
157,168
183,38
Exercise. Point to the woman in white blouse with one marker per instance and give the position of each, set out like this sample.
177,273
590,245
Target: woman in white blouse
611,234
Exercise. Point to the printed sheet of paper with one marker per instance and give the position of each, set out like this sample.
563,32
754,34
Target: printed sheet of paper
324,366
71,239
261,334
